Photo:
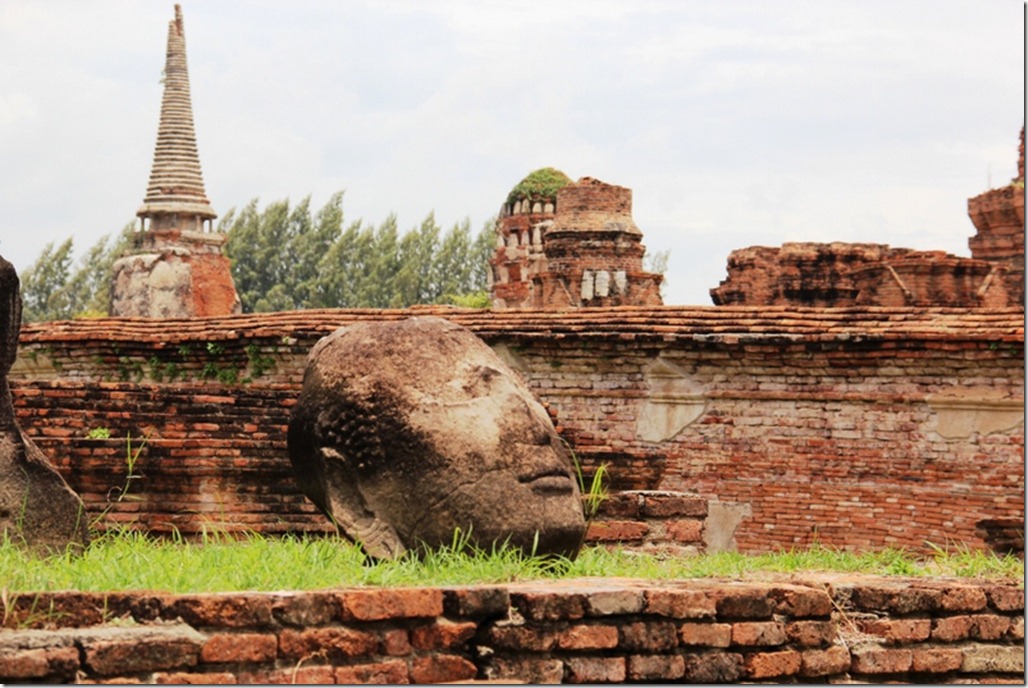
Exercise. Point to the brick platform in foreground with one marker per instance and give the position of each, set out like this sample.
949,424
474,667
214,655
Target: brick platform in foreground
813,628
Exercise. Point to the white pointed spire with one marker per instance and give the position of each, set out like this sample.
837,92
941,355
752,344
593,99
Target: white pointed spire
176,181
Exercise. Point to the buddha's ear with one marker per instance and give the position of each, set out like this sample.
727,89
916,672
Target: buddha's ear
348,510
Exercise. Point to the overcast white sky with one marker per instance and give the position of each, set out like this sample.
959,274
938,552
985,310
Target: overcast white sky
735,122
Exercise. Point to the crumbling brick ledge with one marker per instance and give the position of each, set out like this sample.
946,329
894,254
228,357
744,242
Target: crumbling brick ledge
815,628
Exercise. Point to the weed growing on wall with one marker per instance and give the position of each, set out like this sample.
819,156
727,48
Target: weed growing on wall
118,494
99,433
593,494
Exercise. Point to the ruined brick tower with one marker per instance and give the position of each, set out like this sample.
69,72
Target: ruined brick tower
998,217
176,268
841,274
571,247
526,215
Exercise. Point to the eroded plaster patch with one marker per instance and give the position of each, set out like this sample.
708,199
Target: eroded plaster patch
675,401
961,413
723,519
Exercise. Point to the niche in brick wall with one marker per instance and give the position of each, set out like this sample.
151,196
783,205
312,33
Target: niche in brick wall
675,401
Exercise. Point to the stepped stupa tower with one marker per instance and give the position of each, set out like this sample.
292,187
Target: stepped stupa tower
563,244
176,268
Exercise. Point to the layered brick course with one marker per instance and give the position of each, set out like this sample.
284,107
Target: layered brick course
816,628
855,427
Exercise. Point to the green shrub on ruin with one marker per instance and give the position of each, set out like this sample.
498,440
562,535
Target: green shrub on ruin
543,184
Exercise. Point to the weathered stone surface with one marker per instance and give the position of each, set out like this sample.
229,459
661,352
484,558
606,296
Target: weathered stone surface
36,506
406,431
174,274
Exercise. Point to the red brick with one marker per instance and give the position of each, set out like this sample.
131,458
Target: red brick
681,604
443,635
616,531
614,602
1016,631
391,603
951,628
712,667
876,660
476,602
134,654
936,660
828,662
758,633
1006,598
316,674
549,605
657,505
63,609
239,647
743,604
221,610
595,669
655,667
685,530
963,599
393,672
981,658
111,680
773,664
520,638
593,637
897,630
306,609
801,602
39,662
188,679
441,669
914,600
990,626
705,634
332,642
299,673
811,633
395,642
524,669
652,636
623,504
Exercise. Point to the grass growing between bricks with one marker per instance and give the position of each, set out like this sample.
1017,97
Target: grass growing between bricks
133,561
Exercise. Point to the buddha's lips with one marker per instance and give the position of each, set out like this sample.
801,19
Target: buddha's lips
550,480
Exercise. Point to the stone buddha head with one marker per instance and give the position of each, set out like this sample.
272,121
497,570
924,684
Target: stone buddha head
407,431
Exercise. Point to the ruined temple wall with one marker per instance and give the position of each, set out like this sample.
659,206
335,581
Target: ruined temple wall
903,429
856,448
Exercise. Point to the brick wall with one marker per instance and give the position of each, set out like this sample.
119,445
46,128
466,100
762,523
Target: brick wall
815,629
838,275
856,428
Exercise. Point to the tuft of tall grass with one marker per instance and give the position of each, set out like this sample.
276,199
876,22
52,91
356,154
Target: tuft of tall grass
127,560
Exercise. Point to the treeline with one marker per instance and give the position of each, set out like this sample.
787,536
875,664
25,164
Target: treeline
286,258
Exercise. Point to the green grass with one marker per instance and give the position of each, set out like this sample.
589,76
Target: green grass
132,561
